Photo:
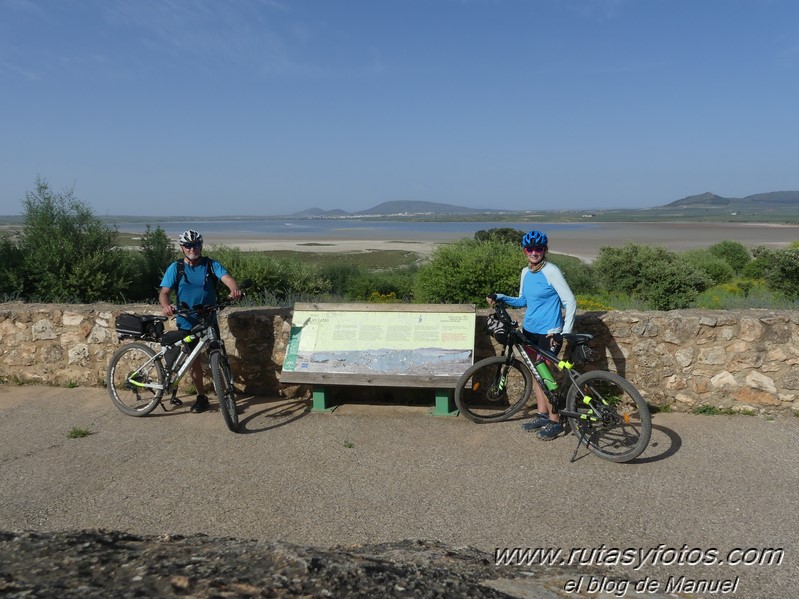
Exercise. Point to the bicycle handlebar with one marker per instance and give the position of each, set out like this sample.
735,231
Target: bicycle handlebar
206,310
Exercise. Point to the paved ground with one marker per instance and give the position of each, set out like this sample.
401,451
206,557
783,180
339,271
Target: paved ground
368,474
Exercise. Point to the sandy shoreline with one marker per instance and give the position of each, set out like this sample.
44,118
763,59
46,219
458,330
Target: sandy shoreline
583,243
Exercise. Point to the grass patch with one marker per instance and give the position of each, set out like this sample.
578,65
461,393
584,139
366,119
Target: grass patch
77,432
349,444
708,410
372,260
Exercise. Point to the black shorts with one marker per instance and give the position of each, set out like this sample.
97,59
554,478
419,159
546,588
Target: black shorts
548,343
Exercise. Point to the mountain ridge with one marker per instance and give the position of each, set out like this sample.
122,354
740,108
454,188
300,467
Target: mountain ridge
772,199
395,207
769,199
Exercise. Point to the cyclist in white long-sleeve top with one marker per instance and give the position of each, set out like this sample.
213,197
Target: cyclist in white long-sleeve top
550,311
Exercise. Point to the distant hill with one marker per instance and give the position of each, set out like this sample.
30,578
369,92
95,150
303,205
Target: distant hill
395,207
401,207
318,212
774,199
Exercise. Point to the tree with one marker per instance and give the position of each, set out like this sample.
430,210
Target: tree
68,254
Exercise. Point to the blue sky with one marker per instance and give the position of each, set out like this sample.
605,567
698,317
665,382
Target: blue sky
261,107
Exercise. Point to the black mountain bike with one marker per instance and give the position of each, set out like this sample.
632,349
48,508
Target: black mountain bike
138,376
603,409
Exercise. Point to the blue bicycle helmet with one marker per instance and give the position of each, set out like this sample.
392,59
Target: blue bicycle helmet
534,239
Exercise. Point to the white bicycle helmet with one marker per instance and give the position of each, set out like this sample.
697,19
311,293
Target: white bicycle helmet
190,237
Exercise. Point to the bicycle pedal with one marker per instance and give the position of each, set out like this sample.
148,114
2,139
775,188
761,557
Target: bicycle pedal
176,402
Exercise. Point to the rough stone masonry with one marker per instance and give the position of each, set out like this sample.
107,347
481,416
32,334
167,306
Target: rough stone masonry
737,359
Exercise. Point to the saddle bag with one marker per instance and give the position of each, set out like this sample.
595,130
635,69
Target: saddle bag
138,326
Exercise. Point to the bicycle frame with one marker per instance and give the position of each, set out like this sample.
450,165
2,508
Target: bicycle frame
522,349
206,337
527,353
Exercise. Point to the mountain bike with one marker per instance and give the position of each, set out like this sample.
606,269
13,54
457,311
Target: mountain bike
138,376
604,410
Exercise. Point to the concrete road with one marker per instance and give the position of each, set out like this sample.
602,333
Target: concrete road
709,488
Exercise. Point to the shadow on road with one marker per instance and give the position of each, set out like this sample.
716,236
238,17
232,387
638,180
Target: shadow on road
271,415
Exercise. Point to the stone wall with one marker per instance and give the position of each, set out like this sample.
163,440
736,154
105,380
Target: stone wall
744,360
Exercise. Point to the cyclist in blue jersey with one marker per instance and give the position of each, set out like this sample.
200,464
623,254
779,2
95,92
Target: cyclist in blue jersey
545,293
194,278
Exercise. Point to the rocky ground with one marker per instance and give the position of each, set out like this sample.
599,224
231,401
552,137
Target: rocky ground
90,564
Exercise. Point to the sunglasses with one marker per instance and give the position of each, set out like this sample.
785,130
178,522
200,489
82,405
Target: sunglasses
538,249
192,246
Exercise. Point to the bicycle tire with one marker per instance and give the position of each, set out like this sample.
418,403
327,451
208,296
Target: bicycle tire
623,432
478,396
125,370
223,385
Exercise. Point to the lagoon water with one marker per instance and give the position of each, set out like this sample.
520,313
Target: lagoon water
584,239
342,228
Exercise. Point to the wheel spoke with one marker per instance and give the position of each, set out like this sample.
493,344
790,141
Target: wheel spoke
135,380
492,390
614,419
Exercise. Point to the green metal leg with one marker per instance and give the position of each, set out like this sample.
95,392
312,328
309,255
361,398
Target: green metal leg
320,401
445,405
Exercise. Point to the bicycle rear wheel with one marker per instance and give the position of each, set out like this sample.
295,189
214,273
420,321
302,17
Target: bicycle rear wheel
493,389
223,385
614,419
132,368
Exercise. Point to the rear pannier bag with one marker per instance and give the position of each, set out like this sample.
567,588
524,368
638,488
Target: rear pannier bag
138,326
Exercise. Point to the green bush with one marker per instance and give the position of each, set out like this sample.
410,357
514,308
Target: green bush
500,234
672,285
67,253
466,271
156,253
272,277
579,275
733,253
369,285
783,272
341,275
12,282
657,276
717,269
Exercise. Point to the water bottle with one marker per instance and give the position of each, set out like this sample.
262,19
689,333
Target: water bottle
547,377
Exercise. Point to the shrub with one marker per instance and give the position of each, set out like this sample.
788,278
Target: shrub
783,272
467,271
657,276
149,264
272,277
579,275
501,234
733,253
717,269
341,275
67,253
12,282
369,286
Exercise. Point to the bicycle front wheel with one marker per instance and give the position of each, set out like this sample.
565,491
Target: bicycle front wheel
613,418
493,389
135,379
223,385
